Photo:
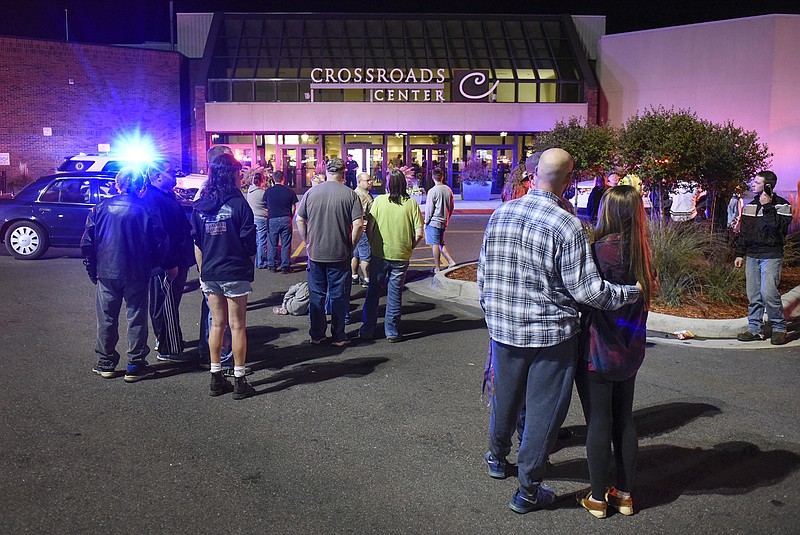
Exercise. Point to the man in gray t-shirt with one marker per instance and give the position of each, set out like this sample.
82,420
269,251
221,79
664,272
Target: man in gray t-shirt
330,222
438,207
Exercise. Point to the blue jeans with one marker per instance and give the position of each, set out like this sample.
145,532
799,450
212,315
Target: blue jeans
261,243
108,301
763,277
330,279
392,274
540,378
202,343
280,228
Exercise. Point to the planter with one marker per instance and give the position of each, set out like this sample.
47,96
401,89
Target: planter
476,191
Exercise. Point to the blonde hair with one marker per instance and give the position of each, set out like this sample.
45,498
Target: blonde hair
622,212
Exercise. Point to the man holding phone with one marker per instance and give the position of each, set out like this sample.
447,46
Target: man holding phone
765,223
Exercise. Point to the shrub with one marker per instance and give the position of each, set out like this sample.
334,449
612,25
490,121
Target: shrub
678,251
791,251
721,282
474,172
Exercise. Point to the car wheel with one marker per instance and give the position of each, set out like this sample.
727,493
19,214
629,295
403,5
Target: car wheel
26,240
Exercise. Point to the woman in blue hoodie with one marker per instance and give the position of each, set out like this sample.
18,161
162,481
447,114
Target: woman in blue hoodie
225,245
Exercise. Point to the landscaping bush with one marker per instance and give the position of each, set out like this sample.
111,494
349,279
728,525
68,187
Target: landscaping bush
690,262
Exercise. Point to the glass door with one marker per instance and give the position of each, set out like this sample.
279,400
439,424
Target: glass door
289,166
499,159
370,160
425,158
309,157
243,153
298,165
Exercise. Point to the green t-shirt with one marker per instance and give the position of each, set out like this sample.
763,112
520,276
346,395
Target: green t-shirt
393,228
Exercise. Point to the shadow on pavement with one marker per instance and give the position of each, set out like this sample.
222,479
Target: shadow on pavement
650,421
445,323
319,371
666,472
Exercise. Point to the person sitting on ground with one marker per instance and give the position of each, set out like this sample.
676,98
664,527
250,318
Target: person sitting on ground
295,301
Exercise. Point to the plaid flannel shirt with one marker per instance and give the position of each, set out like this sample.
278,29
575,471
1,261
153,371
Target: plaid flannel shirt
535,268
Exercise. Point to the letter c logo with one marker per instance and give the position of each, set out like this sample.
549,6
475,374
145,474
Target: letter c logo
480,78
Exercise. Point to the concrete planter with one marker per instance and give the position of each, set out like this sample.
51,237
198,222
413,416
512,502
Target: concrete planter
476,191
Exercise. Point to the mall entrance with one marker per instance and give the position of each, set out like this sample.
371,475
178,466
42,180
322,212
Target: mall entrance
425,158
500,159
370,160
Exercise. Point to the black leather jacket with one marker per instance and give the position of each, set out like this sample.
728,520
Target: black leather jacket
123,240
180,252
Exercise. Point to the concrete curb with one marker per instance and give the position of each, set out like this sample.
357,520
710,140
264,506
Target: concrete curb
711,333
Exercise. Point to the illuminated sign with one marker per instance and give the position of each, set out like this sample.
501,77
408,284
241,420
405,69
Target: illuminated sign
378,76
400,85
472,86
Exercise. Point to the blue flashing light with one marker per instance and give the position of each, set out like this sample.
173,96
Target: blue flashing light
135,147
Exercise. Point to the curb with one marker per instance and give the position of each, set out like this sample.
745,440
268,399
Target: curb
715,334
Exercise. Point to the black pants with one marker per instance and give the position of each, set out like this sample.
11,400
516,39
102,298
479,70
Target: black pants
165,301
608,409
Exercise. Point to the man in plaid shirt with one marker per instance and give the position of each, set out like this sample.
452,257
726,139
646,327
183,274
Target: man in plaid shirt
535,269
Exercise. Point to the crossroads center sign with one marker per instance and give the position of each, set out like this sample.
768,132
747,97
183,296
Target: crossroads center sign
400,85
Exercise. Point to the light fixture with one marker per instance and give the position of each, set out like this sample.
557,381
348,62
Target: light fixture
304,138
468,138
503,134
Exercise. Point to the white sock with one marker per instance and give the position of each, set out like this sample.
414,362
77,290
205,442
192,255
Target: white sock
238,371
216,367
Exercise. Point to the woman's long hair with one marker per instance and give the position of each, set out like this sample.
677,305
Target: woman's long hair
622,212
398,187
222,178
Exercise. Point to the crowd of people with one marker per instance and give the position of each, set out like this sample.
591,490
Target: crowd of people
559,309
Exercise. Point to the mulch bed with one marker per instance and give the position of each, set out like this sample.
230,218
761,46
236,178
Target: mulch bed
700,307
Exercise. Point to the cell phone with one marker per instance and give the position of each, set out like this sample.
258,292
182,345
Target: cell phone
768,189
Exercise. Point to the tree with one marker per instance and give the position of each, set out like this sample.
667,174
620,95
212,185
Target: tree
732,157
593,147
662,146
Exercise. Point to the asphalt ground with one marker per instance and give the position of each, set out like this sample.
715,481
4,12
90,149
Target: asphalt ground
373,438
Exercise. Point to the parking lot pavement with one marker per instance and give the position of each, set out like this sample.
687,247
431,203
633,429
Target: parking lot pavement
376,437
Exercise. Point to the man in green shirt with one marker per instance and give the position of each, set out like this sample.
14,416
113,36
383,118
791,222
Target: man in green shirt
394,228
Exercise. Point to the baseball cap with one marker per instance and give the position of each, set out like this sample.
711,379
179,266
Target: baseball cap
335,165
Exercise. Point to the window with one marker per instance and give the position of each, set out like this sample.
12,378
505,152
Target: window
256,49
106,189
75,191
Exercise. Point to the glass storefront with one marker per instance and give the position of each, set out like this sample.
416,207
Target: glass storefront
300,156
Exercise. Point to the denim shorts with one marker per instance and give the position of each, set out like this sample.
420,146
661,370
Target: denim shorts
434,235
228,289
362,250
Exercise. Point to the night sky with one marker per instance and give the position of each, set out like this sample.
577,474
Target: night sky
124,21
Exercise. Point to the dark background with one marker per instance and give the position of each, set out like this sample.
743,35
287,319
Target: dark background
124,21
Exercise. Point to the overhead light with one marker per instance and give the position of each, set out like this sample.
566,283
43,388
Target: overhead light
468,138
304,137
503,134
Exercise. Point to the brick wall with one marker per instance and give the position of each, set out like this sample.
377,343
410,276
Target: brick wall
114,90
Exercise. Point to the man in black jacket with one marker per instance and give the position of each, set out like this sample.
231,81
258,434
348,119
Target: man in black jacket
166,287
765,223
123,246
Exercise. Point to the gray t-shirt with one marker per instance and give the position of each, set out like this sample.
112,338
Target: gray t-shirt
438,206
329,210
255,198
